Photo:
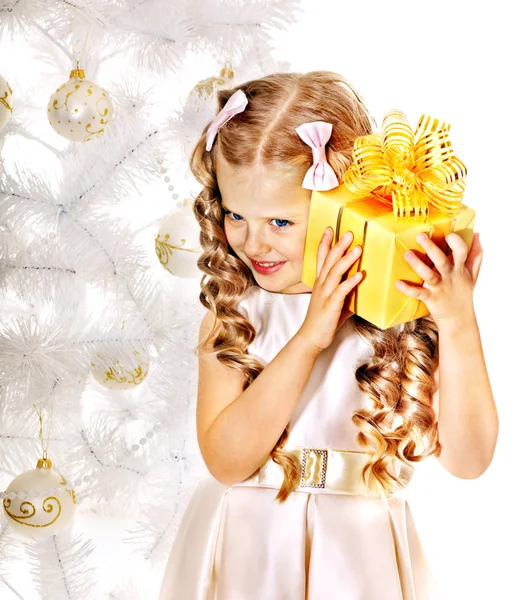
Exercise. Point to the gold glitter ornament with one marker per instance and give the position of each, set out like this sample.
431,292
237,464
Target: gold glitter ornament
177,243
46,507
80,109
6,102
116,374
207,87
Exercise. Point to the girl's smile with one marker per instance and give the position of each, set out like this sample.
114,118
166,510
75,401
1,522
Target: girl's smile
268,268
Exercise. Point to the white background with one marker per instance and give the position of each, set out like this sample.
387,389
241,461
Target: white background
460,62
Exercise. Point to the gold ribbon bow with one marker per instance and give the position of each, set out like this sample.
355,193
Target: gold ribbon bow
410,168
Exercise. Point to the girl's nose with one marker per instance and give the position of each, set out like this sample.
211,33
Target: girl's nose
255,245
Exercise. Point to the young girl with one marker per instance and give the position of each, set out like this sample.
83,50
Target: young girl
309,418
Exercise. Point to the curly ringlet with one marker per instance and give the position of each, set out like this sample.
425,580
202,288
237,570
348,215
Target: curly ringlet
399,377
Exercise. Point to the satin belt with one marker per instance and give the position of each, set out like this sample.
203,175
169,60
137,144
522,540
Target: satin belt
335,470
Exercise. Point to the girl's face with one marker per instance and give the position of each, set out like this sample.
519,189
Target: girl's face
265,220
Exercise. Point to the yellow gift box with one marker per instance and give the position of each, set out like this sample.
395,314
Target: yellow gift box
384,201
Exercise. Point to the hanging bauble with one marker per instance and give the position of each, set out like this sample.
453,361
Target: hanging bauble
6,102
177,243
207,87
37,503
121,373
80,109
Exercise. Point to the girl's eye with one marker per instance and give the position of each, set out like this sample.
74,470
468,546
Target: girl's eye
280,223
228,212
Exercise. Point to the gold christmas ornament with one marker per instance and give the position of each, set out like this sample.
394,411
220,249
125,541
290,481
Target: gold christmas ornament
40,503
177,243
116,374
80,109
41,506
6,102
207,87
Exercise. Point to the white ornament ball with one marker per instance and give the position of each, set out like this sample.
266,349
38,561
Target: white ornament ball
206,88
177,243
40,514
6,102
80,109
121,373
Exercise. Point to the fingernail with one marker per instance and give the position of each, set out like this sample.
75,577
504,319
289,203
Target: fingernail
421,237
409,255
346,235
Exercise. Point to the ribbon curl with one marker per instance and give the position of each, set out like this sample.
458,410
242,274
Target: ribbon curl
413,169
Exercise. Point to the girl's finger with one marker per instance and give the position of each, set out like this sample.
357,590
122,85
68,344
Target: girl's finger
340,268
430,276
345,287
323,249
459,249
335,253
475,258
435,253
412,291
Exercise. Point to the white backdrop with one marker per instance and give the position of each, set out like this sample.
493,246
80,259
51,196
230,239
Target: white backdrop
460,62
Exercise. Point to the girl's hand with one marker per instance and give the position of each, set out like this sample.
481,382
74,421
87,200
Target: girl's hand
448,286
327,311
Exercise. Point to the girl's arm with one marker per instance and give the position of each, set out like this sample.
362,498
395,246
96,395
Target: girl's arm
467,416
237,430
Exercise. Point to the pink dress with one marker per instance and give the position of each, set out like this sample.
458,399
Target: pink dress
239,543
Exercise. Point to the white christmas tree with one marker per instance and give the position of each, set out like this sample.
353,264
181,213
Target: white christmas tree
96,335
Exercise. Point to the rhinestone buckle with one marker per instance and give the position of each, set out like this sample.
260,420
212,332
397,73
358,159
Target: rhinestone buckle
317,474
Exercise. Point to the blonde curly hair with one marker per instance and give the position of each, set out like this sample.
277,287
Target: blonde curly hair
398,378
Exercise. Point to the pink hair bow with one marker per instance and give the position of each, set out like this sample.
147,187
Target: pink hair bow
234,105
321,175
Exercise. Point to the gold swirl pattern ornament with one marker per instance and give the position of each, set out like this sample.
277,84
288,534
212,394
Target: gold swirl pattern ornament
119,373
46,507
411,169
80,109
177,243
6,102
207,87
